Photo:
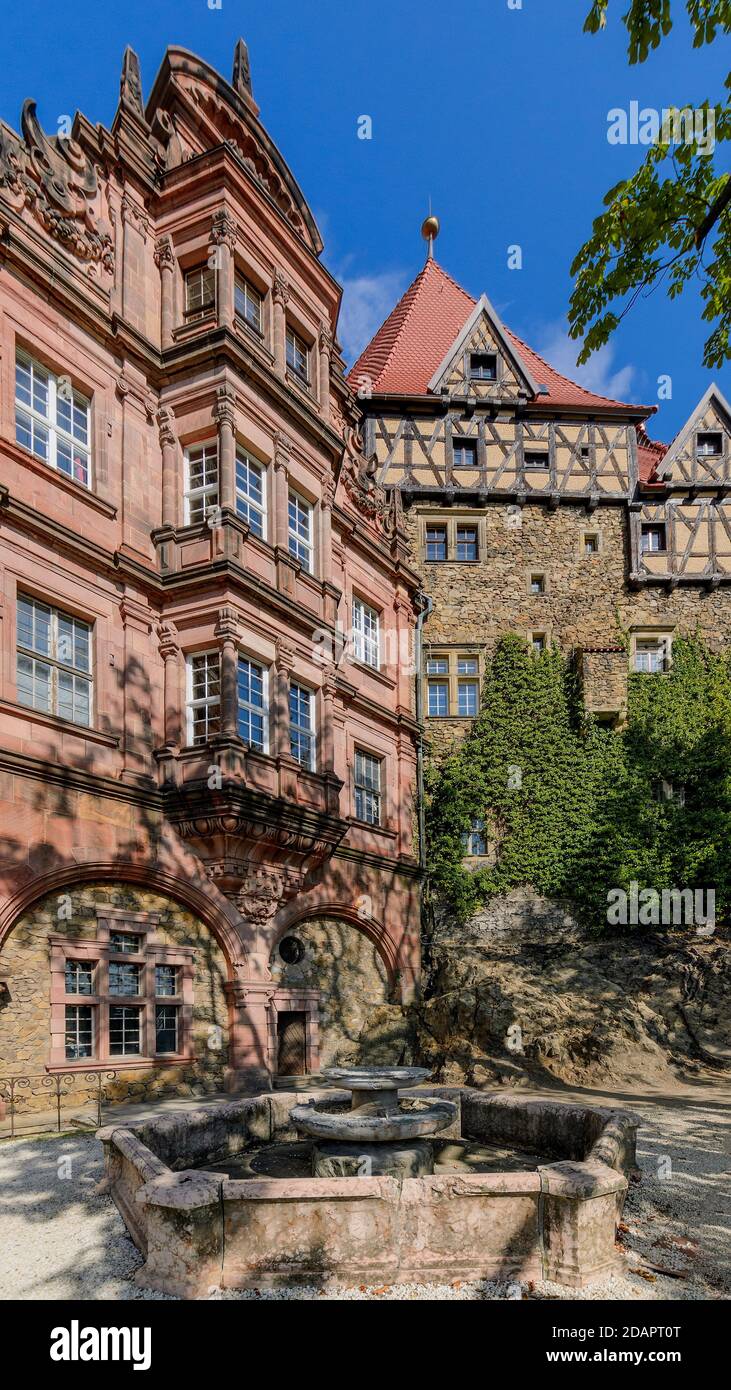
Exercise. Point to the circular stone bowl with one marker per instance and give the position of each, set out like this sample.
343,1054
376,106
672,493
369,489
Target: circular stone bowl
352,1126
376,1078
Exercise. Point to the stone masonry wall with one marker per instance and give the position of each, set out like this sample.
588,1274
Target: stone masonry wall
25,1011
587,601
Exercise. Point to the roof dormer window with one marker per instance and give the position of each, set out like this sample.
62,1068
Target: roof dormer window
483,366
709,444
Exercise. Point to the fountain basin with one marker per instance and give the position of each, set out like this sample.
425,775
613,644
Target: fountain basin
198,1228
354,1126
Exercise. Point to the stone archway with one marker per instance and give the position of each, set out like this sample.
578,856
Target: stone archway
356,1014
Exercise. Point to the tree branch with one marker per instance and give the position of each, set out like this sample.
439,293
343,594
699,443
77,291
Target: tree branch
714,212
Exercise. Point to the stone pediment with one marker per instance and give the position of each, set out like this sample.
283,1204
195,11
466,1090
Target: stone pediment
484,337
193,109
54,178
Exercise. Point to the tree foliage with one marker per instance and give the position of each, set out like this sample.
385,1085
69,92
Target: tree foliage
671,221
583,816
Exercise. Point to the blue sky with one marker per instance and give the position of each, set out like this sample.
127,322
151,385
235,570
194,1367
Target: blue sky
499,115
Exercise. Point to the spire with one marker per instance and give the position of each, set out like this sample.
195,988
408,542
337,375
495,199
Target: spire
130,87
241,80
430,232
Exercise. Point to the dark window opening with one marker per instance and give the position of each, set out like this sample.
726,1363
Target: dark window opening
292,1044
709,444
483,366
291,950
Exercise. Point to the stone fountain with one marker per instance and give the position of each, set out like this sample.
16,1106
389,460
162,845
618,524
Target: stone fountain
377,1136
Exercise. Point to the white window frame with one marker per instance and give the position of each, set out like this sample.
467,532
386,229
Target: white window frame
245,290
471,684
299,546
88,1056
366,633
434,685
372,796
59,388
208,492
202,701
57,667
296,348
205,306
248,505
477,831
305,732
648,532
260,711
647,646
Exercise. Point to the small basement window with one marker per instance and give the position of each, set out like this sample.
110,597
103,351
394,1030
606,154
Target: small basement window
591,543
653,539
538,584
709,444
483,366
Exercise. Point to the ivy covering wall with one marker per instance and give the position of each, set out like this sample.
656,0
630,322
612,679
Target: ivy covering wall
575,809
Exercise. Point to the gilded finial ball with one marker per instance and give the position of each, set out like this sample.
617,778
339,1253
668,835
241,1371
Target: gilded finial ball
430,228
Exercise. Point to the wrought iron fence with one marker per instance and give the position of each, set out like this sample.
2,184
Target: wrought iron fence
59,1086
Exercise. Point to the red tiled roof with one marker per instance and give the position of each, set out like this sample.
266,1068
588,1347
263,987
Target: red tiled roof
649,454
407,349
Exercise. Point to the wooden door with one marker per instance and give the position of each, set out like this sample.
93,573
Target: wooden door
291,1044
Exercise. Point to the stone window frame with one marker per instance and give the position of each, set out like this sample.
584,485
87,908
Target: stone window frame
99,952
545,633
452,521
533,572
596,532
244,275
56,378
207,307
453,654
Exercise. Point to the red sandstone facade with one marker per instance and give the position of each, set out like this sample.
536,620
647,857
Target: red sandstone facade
187,531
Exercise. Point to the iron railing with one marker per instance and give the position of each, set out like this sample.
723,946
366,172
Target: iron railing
59,1086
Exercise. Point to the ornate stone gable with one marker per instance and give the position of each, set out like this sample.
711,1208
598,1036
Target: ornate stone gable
54,177
192,109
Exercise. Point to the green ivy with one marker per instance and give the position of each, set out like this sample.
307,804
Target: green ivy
569,806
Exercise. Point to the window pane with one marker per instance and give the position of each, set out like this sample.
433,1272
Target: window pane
79,1031
251,703
300,531
466,543
127,942
124,978
438,704
467,698
467,666
166,979
250,492
301,725
79,977
366,633
124,1031
166,1028
247,303
436,543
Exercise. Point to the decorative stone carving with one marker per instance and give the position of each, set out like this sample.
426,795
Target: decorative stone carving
166,142
164,254
285,655
224,230
166,425
130,87
280,288
54,177
282,449
132,212
325,338
358,476
241,79
264,890
224,410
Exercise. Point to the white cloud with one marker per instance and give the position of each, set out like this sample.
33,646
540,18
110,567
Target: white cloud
367,301
600,374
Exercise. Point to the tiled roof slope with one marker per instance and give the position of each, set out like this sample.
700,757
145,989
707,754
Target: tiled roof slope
407,349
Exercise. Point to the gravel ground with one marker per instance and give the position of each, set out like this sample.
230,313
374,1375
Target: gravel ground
60,1239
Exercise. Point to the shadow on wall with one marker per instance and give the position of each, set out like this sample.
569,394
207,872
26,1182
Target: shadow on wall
358,1017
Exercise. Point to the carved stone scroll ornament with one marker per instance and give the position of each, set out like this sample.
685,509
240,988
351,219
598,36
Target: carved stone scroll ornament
358,476
53,176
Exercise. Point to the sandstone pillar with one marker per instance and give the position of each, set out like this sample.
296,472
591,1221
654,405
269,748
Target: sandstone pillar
325,344
224,413
223,241
280,296
227,632
165,261
170,471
